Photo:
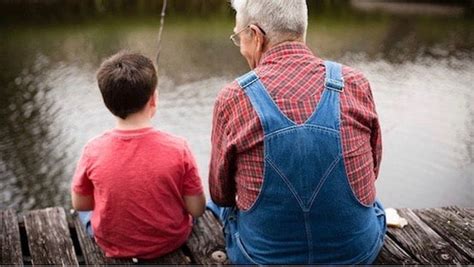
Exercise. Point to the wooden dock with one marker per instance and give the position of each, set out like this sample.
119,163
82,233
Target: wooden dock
54,236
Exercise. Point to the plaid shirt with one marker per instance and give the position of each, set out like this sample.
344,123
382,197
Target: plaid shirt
294,77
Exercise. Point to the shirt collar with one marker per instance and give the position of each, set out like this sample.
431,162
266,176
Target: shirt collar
285,49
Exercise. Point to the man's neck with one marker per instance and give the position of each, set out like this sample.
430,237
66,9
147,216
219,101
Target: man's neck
133,122
270,45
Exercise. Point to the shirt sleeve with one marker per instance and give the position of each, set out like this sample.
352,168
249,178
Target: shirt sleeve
81,184
192,184
221,179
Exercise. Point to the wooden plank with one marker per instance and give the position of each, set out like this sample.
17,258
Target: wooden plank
457,230
467,213
392,253
207,240
90,250
93,254
49,239
10,243
433,236
175,257
424,243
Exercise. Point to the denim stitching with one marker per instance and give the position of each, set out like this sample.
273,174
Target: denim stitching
328,93
309,238
334,85
261,88
263,122
282,115
324,128
323,180
346,179
242,249
322,101
264,186
378,245
242,81
291,129
287,182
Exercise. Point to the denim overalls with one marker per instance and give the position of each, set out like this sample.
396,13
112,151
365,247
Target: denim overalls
306,212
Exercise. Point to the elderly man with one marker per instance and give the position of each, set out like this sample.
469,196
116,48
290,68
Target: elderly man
296,149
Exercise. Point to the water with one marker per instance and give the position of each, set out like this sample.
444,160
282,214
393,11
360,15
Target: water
420,67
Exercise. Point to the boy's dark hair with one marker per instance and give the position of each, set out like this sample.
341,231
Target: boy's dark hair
126,82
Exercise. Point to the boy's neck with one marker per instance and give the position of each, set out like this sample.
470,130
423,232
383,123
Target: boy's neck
134,122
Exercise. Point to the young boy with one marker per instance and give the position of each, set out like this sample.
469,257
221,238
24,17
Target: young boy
141,184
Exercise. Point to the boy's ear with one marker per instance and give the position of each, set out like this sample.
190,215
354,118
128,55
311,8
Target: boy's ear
154,99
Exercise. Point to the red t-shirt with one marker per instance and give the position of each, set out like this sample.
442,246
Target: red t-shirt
138,179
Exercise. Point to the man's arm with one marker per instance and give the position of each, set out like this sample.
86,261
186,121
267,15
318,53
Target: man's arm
376,143
221,169
376,137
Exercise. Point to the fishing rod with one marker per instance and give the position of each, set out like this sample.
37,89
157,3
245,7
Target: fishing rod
162,22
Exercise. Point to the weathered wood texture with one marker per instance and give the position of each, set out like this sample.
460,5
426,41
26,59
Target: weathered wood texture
419,240
392,253
453,227
49,239
90,251
433,236
467,213
207,240
10,243
93,255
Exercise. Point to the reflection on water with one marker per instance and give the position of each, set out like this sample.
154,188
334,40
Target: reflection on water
410,8
420,68
427,118
32,161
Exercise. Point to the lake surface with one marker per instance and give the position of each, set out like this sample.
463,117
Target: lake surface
420,65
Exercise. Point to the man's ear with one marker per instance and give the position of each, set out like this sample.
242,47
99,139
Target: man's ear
257,33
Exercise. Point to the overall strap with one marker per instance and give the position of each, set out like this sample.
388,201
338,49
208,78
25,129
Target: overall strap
327,112
271,117
334,80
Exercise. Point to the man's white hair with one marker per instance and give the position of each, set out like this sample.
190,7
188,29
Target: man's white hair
280,19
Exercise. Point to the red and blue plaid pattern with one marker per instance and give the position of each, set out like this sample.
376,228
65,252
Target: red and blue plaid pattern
294,78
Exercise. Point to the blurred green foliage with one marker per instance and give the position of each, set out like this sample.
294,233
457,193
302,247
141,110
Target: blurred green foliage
53,11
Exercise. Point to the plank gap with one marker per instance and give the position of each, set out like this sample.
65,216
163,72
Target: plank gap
76,245
25,249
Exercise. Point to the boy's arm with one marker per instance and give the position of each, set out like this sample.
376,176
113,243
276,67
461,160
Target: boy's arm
81,202
195,205
82,188
193,194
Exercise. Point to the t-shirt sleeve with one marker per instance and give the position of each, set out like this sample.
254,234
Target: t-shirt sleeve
192,184
81,184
